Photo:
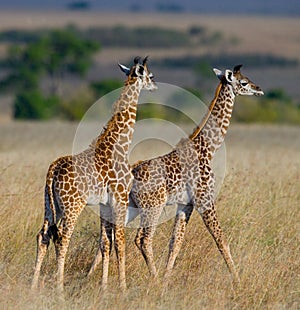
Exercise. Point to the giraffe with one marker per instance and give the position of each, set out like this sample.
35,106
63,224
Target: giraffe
185,177
97,174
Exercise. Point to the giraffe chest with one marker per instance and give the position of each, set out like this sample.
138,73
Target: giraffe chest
95,188
99,186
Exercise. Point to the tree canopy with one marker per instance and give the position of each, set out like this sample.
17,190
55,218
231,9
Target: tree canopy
52,56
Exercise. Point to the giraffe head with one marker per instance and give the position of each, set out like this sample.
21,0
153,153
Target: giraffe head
240,84
139,74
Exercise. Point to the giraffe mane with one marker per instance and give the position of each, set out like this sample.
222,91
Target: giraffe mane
207,115
105,130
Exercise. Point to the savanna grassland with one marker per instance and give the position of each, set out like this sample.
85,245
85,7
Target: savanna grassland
258,207
258,204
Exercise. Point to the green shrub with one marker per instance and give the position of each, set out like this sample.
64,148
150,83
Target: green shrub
104,87
275,107
164,112
52,55
32,104
74,108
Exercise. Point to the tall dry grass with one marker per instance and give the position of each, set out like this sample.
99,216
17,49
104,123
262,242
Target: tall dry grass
258,208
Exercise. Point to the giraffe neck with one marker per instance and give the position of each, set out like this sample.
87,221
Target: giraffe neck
128,99
215,123
119,129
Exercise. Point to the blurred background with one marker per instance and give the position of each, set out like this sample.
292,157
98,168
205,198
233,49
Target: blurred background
58,57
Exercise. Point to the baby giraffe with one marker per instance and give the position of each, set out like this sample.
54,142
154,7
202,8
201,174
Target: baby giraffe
100,173
185,177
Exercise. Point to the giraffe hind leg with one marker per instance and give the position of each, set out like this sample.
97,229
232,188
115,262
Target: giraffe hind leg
182,218
43,241
138,238
145,234
147,249
106,234
62,241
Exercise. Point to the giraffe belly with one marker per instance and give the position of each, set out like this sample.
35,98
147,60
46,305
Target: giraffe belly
181,197
97,197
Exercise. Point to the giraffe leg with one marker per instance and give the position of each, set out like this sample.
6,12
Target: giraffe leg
120,199
119,241
61,243
96,261
138,238
98,257
211,222
106,232
43,241
144,237
61,247
105,249
182,218
147,249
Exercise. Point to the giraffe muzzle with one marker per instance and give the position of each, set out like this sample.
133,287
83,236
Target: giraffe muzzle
258,92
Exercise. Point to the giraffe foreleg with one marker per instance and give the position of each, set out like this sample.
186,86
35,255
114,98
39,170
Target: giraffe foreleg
106,231
182,218
120,195
96,261
106,240
212,224
119,242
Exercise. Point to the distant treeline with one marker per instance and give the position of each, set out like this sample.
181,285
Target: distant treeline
226,60
121,35
59,54
274,107
158,37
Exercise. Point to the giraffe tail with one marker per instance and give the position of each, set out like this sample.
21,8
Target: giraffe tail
50,204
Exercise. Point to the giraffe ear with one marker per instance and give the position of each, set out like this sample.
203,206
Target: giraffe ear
125,69
218,73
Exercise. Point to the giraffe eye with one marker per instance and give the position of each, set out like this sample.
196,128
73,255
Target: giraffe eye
244,83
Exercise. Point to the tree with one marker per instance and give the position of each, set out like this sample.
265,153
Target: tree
51,56
103,87
79,5
32,104
68,53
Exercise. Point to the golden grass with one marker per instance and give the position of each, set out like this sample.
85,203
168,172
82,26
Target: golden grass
258,208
